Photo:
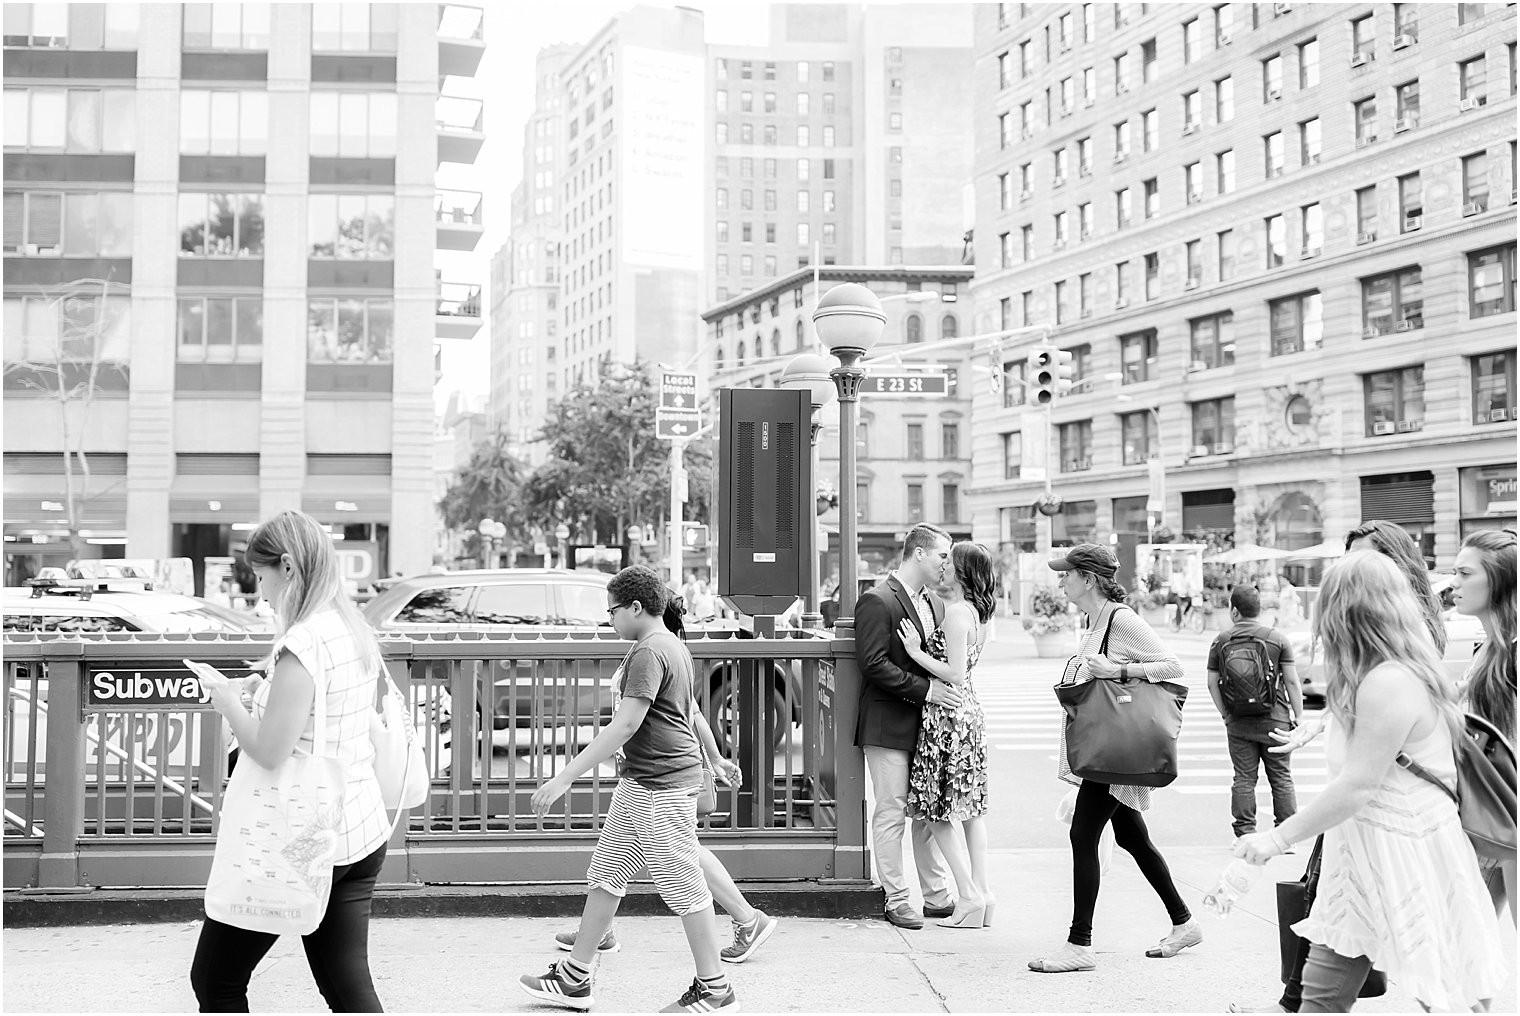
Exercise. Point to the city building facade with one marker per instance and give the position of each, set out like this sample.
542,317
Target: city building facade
220,221
914,452
1278,241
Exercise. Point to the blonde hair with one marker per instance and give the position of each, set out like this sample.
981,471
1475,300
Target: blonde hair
315,584
1367,615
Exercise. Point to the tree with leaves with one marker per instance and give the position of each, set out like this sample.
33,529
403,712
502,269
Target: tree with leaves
489,486
83,348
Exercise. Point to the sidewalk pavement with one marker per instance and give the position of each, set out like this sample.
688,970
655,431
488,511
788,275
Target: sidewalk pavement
471,964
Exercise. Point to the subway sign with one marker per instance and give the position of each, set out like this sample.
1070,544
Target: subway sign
132,686
906,384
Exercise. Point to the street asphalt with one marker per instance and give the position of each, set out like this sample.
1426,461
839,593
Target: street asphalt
471,964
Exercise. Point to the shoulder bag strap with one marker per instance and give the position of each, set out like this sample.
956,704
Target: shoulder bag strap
1406,762
1109,630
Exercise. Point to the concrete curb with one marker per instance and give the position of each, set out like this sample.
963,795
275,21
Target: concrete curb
842,900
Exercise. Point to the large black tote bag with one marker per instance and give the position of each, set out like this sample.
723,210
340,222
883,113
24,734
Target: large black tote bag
1123,730
1293,902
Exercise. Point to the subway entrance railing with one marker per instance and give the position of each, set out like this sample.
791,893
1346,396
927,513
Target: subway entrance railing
114,775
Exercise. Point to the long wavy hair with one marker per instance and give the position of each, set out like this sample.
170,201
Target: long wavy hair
1367,615
316,582
1491,687
1394,542
975,573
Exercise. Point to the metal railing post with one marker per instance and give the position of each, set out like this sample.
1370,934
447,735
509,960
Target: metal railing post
63,799
851,851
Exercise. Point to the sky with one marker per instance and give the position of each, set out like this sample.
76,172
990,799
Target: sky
514,33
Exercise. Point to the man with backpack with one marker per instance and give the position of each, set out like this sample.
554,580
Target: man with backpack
1255,687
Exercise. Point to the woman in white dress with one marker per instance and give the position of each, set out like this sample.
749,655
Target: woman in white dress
1400,886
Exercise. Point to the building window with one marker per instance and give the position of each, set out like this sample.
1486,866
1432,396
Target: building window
350,28
950,440
1138,434
1274,154
1272,78
1121,141
1406,19
1193,253
1214,426
1084,294
1085,220
1192,178
1062,313
232,225
723,231
71,120
1013,383
1407,105
1005,191
1190,40
1392,302
1226,238
1005,250
1297,323
1411,203
1152,276
1365,115
949,327
1475,183
1121,284
1084,157
83,329
1277,240
1363,39
1224,171
1137,352
1308,63
1060,230
1366,214
1472,80
913,328
1122,208
720,133
950,503
71,26
1311,230
1005,69
1213,341
862,502
1026,242
1493,387
1013,455
1395,401
345,330
1152,198
1150,123
916,441
358,125
1224,24
1076,446
1491,281
76,224
237,123
221,329
350,226
915,503
1308,142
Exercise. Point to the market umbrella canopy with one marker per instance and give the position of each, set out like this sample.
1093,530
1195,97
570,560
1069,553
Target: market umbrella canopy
1320,551
1248,552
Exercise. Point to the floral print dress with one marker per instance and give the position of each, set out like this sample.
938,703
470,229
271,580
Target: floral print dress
948,778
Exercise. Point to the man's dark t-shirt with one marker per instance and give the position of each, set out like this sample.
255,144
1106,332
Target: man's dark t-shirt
1281,717
663,753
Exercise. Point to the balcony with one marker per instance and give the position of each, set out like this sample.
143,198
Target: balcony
458,314
461,128
461,39
461,222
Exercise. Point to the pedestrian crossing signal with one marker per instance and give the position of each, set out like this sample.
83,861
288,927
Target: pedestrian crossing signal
694,535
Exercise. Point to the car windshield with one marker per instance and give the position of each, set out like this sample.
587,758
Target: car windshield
63,623
439,605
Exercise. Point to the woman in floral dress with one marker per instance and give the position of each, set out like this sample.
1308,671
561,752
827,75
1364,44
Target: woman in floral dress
947,783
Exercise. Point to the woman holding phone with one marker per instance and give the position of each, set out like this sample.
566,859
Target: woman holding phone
324,643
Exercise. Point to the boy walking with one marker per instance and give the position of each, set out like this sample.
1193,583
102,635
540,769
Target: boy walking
1254,685
652,819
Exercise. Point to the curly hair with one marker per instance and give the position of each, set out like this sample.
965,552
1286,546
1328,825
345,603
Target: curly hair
1491,689
974,572
642,584
1394,542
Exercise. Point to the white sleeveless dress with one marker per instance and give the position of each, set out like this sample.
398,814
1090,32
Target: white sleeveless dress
1400,884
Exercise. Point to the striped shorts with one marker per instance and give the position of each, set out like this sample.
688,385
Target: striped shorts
656,829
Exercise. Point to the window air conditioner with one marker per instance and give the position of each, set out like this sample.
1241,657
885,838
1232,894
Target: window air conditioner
1084,171
1405,426
1197,365
1280,9
1059,181
1310,252
1474,208
1194,196
1059,245
1406,325
1085,234
1367,237
1026,133
1275,171
1413,222
1361,59
1086,312
1313,159
1120,158
1403,40
1471,102
1193,282
1365,140
1497,415
1223,449
1274,94
1121,303
1189,128
1224,39
1385,427
1371,332
1120,88
1404,123
1200,450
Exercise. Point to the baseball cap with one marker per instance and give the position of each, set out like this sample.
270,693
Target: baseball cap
1088,557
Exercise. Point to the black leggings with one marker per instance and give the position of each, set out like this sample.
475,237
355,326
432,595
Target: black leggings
1096,808
337,952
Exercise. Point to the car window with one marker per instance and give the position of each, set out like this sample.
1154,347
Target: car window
584,605
439,605
513,603
62,622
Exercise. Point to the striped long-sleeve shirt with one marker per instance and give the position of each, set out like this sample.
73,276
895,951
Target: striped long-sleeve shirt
1131,641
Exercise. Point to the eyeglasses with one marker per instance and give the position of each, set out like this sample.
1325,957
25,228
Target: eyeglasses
615,608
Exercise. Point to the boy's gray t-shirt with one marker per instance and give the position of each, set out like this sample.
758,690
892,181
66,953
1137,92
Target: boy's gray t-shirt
663,753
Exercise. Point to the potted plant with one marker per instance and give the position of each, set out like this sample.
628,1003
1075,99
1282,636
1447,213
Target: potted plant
1048,621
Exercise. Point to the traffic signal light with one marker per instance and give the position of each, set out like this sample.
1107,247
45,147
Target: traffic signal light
1049,373
694,535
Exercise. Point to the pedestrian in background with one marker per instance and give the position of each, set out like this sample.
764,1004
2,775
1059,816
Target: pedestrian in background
947,779
1255,687
652,819
1400,886
1133,650
323,641
893,691
1485,589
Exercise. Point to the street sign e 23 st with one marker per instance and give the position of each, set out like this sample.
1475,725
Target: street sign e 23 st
906,384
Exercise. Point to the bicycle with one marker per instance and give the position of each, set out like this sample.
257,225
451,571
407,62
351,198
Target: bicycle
1186,616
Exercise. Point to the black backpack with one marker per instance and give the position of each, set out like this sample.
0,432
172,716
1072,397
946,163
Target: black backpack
1247,675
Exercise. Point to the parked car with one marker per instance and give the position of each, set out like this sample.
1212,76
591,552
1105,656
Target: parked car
1463,633
57,604
532,600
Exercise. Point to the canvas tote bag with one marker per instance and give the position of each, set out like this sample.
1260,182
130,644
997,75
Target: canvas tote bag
273,866
400,767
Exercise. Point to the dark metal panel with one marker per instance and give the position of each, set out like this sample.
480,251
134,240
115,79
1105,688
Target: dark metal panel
58,167
24,271
1402,498
71,63
221,169
323,274
352,67
221,272
224,67
244,378
112,380
347,172
358,378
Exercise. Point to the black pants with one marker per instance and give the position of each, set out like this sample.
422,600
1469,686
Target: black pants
338,951
1096,808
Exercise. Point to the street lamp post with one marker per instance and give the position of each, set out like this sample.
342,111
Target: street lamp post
562,535
491,533
848,321
810,372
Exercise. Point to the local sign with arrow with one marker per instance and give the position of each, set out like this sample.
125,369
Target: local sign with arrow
678,390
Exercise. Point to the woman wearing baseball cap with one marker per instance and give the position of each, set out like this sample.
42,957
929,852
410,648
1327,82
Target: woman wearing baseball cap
1115,643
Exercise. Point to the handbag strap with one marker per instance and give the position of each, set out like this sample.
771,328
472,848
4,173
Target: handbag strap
1403,759
1109,629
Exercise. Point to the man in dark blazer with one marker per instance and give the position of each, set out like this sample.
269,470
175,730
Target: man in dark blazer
893,691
